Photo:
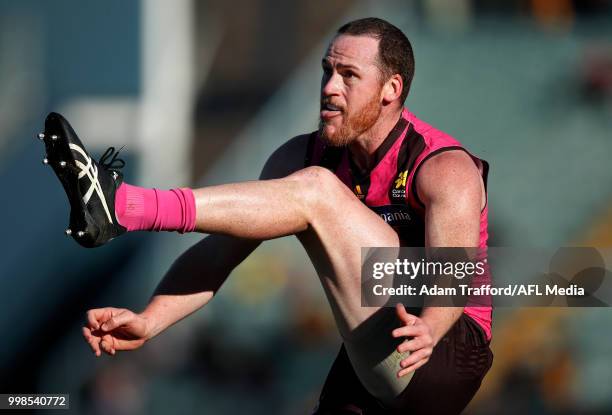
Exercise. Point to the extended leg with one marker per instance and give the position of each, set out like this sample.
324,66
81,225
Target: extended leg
331,223
333,226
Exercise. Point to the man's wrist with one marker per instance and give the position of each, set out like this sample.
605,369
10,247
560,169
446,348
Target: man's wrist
440,320
151,324
434,328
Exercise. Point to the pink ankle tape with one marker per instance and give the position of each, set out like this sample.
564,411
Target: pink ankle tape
141,209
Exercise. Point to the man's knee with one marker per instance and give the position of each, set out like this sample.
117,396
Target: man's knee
316,175
319,187
322,195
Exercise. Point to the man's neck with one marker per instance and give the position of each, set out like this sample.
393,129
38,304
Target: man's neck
362,149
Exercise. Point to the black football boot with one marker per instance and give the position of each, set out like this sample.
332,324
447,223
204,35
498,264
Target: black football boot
89,185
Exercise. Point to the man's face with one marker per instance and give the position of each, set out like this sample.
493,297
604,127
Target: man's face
350,89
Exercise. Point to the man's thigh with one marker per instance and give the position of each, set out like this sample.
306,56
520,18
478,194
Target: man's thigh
339,227
454,373
445,385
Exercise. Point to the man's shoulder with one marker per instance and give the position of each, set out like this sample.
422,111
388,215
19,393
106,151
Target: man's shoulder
450,174
289,157
433,137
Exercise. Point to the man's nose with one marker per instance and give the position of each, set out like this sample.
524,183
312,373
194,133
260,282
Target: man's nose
331,85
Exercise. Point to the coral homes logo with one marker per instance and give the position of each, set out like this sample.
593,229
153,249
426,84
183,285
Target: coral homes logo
399,190
401,179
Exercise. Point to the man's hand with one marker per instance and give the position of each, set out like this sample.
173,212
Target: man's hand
421,342
110,329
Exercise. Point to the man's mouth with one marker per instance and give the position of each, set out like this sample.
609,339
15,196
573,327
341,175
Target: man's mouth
330,110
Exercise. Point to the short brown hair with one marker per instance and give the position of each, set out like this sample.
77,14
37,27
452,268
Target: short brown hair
394,49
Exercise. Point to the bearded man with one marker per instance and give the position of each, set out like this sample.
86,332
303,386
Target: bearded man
333,189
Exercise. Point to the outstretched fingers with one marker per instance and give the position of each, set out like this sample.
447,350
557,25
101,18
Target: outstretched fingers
418,341
404,316
414,361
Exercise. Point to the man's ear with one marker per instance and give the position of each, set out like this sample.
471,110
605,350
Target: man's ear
392,89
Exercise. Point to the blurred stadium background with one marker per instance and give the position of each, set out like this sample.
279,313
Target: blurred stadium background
200,92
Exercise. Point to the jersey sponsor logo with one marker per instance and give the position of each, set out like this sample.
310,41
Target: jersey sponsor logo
394,215
401,179
399,190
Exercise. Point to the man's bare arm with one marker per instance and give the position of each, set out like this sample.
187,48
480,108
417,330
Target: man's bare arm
198,274
451,187
192,280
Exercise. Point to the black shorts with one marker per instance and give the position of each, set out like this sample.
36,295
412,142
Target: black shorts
444,385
